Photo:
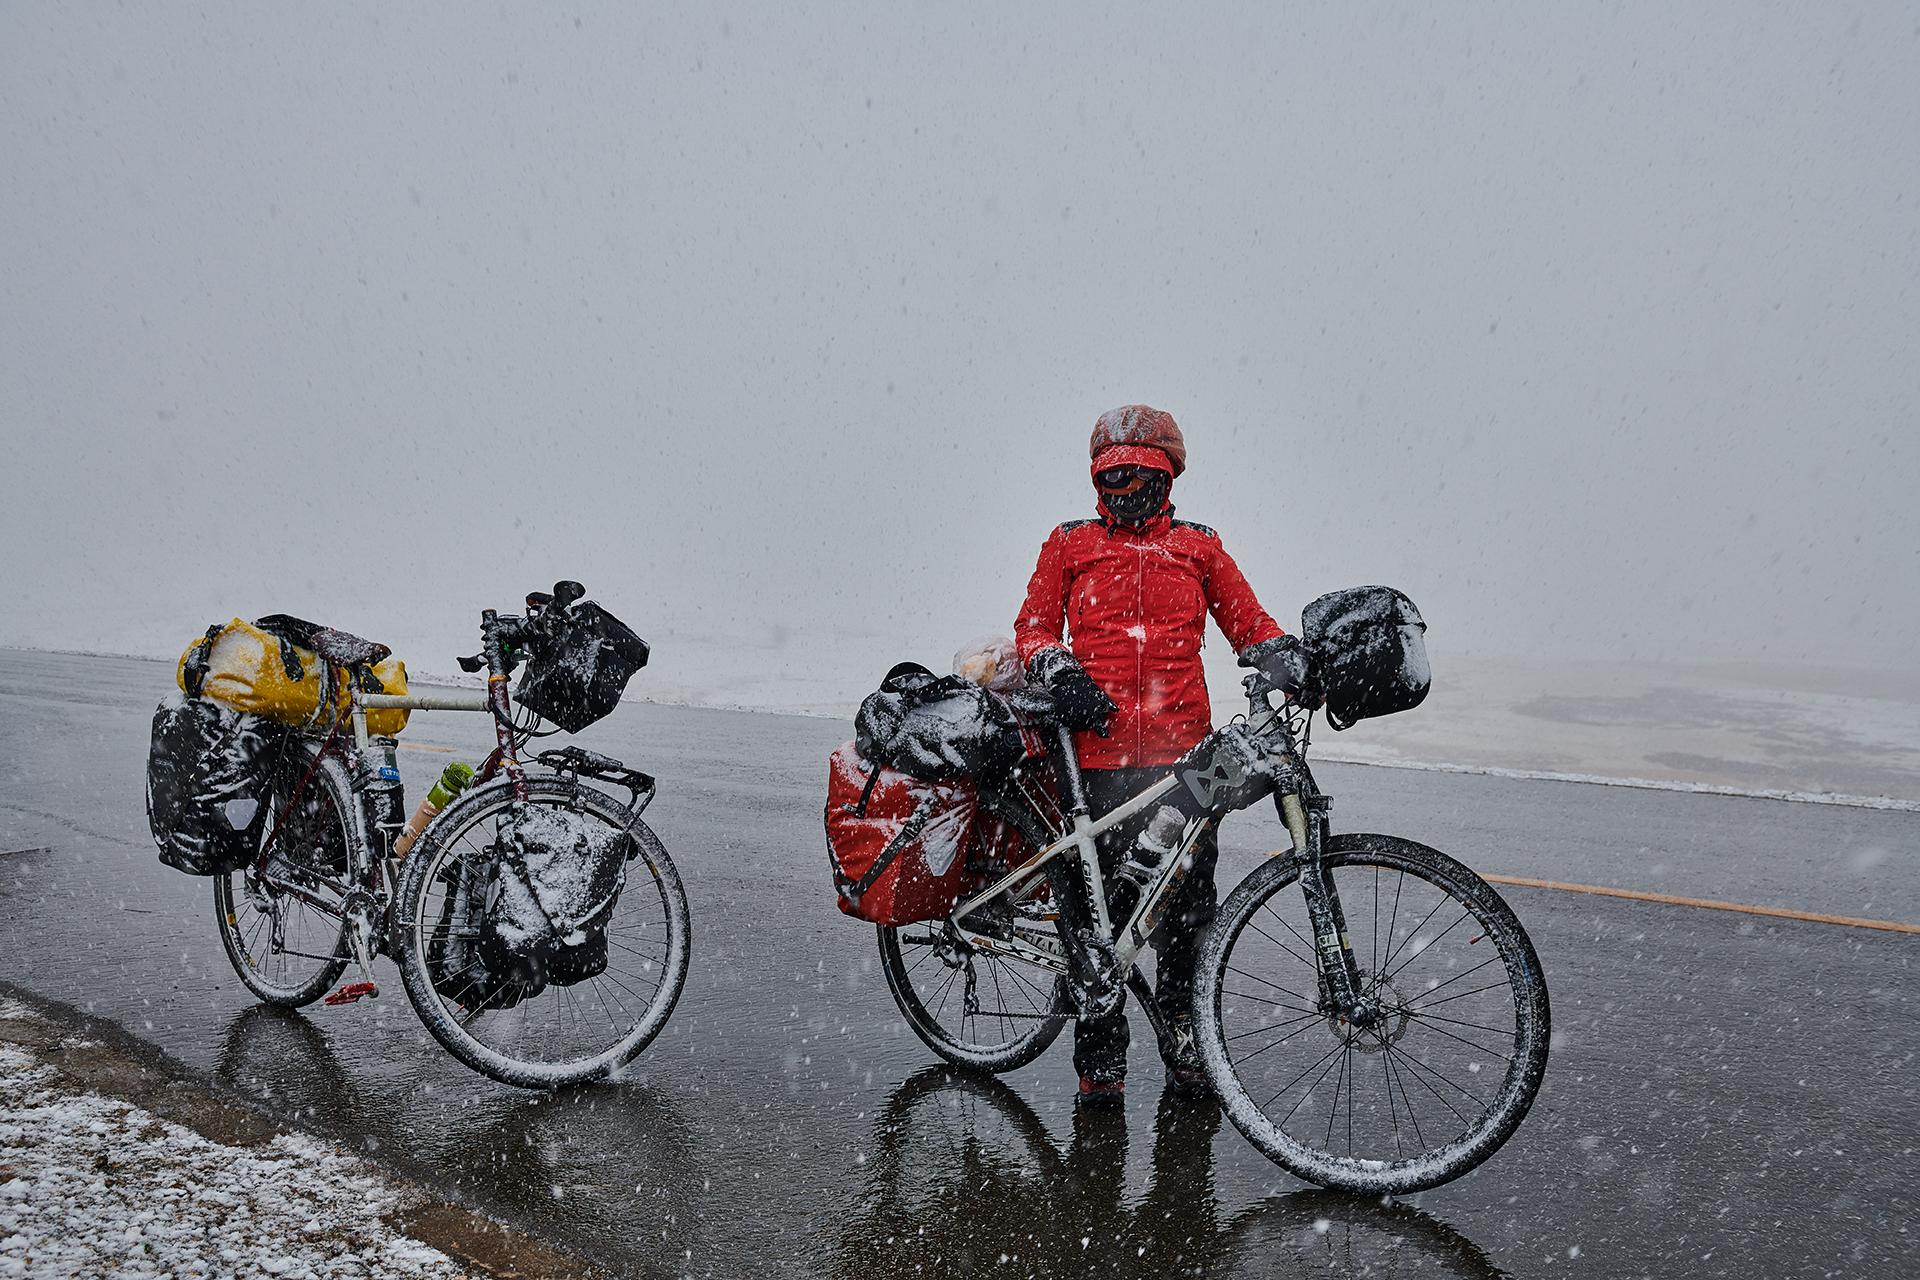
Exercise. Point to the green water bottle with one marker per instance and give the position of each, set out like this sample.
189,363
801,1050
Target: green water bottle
453,780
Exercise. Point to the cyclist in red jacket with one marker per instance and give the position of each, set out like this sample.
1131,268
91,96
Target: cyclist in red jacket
1113,623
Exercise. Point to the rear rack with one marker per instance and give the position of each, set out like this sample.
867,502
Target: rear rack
576,762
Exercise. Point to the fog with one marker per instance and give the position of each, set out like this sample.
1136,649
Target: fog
1592,329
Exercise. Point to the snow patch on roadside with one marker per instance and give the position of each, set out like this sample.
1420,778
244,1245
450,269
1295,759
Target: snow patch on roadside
1643,784
94,1187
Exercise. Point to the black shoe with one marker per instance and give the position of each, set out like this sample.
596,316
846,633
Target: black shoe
1103,1092
1182,1056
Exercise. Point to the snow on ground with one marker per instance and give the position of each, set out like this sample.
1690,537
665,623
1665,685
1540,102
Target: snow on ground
94,1187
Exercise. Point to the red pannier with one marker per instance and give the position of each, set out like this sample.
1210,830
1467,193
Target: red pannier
903,849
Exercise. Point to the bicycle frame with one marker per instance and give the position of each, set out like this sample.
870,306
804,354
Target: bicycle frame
1303,811
363,895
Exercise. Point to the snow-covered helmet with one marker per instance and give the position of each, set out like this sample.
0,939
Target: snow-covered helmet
1139,426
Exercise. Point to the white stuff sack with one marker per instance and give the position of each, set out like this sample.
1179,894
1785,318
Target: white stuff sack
991,662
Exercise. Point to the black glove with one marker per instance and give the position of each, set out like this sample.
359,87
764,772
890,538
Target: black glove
1082,703
1281,662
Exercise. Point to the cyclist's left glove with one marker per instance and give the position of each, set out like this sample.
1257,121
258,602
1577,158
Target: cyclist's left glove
1282,661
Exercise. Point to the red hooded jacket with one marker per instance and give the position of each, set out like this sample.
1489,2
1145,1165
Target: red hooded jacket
1132,606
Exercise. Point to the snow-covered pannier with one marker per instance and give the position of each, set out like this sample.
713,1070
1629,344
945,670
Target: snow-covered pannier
208,770
271,668
1369,653
902,848
551,889
577,674
936,727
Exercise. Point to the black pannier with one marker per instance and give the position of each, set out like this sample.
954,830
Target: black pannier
576,674
935,727
532,916
208,770
1369,653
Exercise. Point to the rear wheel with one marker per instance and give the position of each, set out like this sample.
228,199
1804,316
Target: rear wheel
282,926
550,1031
1454,1047
973,1008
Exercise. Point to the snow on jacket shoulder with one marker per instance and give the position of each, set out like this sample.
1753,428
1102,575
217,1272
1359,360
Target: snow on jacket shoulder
1133,606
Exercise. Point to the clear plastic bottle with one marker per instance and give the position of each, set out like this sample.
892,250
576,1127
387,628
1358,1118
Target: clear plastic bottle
384,796
1162,833
1149,850
453,780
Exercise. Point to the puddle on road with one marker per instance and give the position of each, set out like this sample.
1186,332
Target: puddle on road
963,1178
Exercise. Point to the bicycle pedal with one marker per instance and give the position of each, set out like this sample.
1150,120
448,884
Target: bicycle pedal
353,991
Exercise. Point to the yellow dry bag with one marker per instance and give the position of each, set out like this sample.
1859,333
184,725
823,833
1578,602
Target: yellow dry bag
264,672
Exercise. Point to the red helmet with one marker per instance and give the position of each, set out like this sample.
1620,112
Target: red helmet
1138,426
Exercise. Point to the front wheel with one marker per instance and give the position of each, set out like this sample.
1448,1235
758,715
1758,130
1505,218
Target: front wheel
537,1023
1454,1044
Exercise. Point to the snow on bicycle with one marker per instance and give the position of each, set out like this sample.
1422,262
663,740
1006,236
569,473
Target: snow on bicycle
1370,1013
539,925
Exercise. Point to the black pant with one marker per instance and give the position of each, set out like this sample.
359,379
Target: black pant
1100,1047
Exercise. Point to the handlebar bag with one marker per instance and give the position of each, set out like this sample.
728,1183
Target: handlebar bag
266,671
902,848
1368,653
579,669
937,727
208,768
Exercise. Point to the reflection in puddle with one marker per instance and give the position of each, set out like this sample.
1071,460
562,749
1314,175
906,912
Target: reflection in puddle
964,1178
611,1164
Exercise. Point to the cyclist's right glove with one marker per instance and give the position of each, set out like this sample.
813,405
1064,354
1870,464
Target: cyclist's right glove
1082,703
1282,661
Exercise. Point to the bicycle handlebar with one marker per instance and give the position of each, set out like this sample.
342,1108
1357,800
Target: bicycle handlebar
543,608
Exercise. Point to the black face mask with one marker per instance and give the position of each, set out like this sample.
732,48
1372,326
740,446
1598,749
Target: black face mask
1134,495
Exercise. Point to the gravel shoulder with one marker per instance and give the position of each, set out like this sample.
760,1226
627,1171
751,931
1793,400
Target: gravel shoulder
115,1162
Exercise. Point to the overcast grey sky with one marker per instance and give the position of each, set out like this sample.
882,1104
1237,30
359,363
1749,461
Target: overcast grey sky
1594,328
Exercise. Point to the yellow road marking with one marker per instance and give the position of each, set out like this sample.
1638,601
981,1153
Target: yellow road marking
427,746
1708,904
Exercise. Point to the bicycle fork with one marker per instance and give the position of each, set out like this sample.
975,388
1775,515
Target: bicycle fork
1342,985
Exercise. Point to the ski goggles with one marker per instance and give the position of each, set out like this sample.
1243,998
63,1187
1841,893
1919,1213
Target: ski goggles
1123,480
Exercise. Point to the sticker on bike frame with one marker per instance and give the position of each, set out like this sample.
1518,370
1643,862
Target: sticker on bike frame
1223,777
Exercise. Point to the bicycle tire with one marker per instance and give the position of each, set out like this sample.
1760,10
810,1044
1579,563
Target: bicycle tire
1431,1165
240,941
441,838
999,1056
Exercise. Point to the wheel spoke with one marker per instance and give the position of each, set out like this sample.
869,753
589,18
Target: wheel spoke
1422,1068
1463,1040
1463,994
1423,1016
1331,1054
1393,951
1464,915
1254,925
1272,1027
1269,982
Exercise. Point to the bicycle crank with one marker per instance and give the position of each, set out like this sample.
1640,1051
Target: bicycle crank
361,912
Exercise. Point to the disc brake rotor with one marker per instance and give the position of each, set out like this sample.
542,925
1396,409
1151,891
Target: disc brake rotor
1389,1024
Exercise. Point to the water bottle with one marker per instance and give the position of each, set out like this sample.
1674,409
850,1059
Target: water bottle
1149,850
1161,835
382,783
453,780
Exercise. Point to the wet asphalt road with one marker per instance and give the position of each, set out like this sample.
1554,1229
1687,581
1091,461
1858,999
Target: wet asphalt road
1728,1095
